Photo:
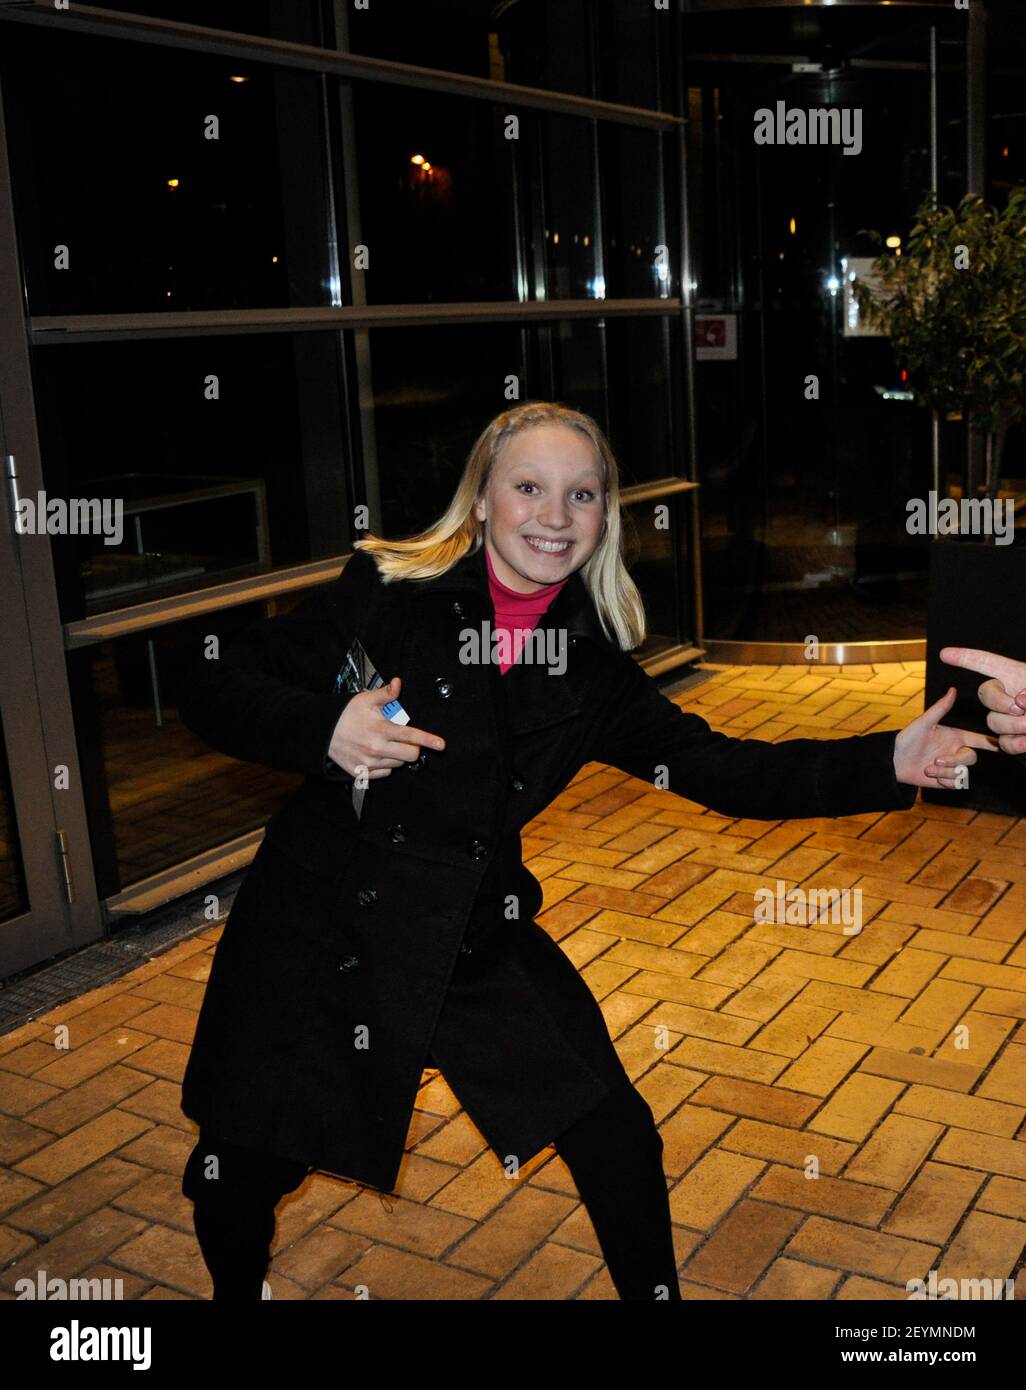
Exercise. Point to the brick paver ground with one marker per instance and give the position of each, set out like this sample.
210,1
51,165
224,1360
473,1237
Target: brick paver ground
841,1113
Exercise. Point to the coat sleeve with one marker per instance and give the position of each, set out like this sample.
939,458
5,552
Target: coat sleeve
269,696
798,777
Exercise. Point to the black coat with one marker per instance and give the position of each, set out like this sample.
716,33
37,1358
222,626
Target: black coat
343,969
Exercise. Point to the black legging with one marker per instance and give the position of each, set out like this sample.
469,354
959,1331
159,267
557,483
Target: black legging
614,1155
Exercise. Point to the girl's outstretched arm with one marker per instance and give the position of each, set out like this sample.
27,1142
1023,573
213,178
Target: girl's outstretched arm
644,732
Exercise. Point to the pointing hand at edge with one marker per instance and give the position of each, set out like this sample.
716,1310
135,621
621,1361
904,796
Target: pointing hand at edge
1004,694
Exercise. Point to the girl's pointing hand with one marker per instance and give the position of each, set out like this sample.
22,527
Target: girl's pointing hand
365,739
927,754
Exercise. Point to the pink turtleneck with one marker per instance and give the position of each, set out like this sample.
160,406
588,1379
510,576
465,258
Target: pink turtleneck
517,614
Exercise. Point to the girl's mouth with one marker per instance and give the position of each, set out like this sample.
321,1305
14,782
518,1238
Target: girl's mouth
546,547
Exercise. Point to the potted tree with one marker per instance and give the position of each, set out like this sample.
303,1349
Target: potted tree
952,300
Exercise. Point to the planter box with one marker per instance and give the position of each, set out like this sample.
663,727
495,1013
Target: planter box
976,599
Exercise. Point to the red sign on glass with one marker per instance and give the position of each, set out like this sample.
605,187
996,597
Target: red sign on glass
716,337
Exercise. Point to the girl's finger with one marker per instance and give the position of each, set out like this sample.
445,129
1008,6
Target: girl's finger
971,739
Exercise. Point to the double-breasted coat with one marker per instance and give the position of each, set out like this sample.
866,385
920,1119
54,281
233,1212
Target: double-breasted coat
360,950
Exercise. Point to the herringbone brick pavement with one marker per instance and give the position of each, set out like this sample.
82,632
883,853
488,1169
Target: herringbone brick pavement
841,1112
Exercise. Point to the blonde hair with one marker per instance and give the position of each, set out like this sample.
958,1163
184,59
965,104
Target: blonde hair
457,531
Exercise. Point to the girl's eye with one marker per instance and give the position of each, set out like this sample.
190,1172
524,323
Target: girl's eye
583,490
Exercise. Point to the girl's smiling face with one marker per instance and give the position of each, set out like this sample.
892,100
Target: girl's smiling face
543,507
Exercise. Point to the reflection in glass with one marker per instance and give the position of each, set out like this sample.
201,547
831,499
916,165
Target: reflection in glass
226,455
436,210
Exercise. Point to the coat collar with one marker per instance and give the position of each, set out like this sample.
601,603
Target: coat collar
573,607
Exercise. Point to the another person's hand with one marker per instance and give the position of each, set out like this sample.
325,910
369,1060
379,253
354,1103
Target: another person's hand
926,754
1004,693
364,740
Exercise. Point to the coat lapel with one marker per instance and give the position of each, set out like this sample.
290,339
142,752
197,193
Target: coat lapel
529,695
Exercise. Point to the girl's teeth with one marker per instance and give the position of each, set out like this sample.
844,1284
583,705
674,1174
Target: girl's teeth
550,548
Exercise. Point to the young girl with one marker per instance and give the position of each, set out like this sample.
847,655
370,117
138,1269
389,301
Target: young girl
386,923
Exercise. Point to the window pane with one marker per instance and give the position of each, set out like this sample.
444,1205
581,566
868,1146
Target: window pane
156,793
443,228
640,259
641,395
450,35
227,456
573,262
635,53
654,554
578,367
113,160
300,21
435,389
547,45
617,370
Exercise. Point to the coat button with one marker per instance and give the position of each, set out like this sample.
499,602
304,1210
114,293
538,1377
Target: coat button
444,687
418,761
397,834
457,609
516,783
348,963
477,850
465,950
573,641
366,896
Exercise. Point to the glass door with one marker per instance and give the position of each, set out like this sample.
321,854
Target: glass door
810,445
